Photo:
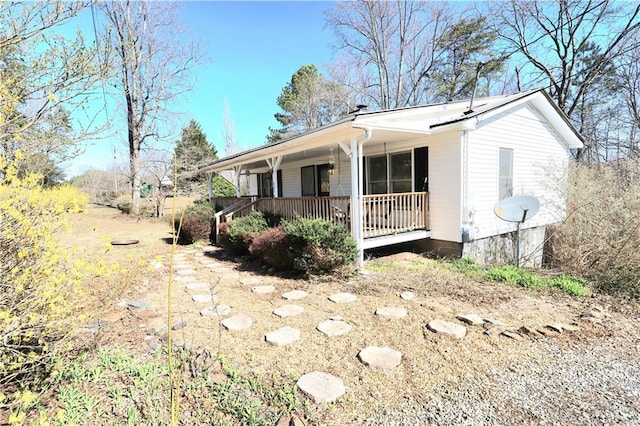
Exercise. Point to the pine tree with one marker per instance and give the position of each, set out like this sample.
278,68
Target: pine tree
191,152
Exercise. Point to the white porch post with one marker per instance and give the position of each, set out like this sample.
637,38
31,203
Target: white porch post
236,172
356,201
274,165
210,185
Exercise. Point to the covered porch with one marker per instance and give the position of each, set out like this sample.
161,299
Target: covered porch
386,218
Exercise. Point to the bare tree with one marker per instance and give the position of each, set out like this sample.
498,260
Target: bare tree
45,82
391,47
554,38
157,167
153,69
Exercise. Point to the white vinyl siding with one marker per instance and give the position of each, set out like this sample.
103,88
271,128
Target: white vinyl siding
539,163
505,173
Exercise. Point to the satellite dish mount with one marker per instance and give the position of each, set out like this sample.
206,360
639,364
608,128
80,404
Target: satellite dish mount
517,209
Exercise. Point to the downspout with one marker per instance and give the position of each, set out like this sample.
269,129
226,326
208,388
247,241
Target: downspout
357,190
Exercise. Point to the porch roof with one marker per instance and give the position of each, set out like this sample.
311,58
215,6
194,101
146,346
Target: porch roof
399,124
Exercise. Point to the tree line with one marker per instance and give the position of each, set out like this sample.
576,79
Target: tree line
392,54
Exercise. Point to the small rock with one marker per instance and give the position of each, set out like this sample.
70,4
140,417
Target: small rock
179,325
263,289
496,330
288,311
471,319
156,327
492,321
548,332
138,304
408,295
343,298
97,325
322,387
529,331
296,421
283,336
447,328
391,312
385,358
238,322
295,295
513,335
569,327
334,328
555,327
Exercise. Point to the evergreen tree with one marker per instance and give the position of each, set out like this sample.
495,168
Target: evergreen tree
191,152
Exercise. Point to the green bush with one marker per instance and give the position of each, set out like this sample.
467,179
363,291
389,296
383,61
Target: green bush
196,223
318,245
241,232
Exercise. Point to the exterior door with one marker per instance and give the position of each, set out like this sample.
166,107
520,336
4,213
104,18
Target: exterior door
323,180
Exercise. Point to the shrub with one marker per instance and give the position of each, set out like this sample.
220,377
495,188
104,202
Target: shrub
38,288
601,233
271,246
196,223
318,245
241,232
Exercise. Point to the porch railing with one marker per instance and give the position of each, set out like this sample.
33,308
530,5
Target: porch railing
382,214
389,214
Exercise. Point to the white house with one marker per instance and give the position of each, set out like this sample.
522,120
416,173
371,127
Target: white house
430,173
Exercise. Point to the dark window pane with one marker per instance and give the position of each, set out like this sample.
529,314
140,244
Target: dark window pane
401,186
377,168
308,181
401,166
378,187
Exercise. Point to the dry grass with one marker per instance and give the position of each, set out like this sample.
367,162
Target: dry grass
429,361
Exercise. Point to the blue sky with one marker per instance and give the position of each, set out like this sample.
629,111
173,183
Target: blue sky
253,49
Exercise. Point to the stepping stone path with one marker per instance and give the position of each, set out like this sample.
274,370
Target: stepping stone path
186,272
447,328
322,387
137,304
214,311
263,289
385,358
238,322
343,298
391,312
288,311
179,325
334,328
198,286
250,281
295,295
283,336
471,319
203,298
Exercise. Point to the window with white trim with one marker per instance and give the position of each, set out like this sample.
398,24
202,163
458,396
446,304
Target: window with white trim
505,173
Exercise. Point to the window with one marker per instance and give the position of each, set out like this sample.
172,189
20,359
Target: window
389,173
400,172
505,173
377,174
308,181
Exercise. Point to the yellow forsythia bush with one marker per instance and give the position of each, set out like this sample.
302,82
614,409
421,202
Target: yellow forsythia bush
37,288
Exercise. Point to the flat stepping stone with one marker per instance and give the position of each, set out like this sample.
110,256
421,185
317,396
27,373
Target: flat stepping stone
385,358
493,321
471,319
334,328
203,298
408,295
447,328
186,272
391,312
184,278
295,295
156,327
198,286
568,327
157,265
250,281
343,298
263,289
215,311
513,335
238,322
137,304
321,387
283,336
179,325
288,311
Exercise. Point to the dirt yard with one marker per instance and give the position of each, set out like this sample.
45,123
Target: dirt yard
590,375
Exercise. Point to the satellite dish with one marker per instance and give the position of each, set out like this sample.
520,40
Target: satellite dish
517,209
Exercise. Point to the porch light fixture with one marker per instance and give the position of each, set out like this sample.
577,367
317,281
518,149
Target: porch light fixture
332,162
